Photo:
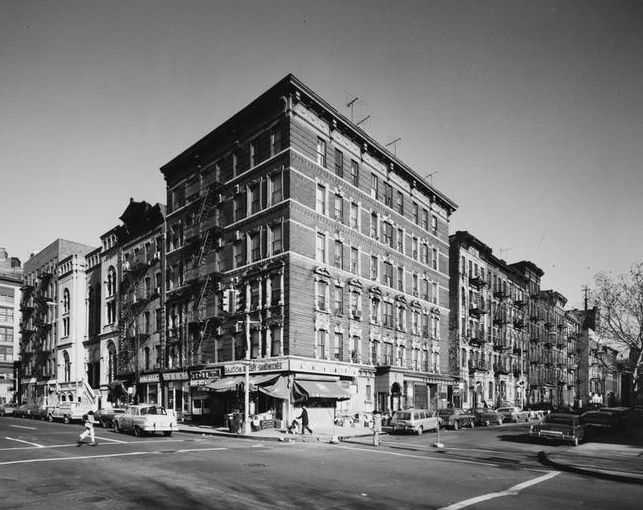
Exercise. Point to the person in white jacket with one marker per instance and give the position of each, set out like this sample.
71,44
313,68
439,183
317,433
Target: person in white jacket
89,429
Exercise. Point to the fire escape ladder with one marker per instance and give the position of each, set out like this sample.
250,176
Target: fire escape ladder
203,249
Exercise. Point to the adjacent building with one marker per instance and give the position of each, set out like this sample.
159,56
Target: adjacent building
10,295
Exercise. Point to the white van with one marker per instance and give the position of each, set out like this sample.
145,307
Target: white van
414,420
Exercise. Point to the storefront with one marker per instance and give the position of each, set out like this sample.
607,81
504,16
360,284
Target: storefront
177,392
402,390
149,388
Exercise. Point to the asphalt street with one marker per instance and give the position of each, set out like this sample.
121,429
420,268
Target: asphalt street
41,467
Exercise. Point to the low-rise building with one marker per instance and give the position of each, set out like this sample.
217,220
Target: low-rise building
10,296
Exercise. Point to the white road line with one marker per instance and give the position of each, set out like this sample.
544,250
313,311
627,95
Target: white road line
83,457
512,491
26,442
439,459
201,450
110,439
23,427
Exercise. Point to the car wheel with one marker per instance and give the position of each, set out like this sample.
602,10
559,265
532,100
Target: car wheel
117,428
420,430
167,433
456,425
66,420
137,431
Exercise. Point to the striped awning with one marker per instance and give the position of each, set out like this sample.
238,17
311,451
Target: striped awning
323,389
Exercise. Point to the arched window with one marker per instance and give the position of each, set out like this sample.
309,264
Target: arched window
66,301
67,364
111,362
111,281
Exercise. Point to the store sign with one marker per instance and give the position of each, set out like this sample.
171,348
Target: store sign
149,378
175,376
256,366
203,377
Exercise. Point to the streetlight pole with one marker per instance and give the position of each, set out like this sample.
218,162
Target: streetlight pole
246,386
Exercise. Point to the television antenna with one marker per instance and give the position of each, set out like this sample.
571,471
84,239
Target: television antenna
394,144
429,177
350,105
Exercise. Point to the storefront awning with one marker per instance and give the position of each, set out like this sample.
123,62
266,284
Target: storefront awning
323,389
278,389
225,384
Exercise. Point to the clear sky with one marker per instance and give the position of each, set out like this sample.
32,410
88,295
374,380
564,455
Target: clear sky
531,112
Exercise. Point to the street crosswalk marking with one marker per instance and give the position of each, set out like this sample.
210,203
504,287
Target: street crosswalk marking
512,491
26,442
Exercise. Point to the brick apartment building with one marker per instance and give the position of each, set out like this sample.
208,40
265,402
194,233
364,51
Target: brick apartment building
296,239
10,296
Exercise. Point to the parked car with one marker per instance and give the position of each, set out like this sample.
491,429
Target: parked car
414,420
146,418
559,427
455,418
21,411
598,423
7,409
105,417
37,412
487,417
514,414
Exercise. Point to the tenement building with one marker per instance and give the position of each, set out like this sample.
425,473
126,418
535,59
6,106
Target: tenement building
300,248
53,370
10,295
488,326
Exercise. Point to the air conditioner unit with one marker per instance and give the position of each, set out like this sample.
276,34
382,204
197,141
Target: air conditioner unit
237,189
237,235
219,243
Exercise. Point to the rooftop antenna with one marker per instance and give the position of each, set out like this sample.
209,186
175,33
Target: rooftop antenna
350,105
429,177
363,120
394,144
585,290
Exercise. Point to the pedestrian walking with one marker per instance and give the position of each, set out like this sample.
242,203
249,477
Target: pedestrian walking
88,421
304,421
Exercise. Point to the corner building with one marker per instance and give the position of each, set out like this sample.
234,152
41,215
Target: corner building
333,252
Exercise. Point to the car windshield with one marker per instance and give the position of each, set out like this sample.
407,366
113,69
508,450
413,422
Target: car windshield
153,410
403,416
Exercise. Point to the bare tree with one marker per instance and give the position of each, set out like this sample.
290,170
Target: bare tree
620,303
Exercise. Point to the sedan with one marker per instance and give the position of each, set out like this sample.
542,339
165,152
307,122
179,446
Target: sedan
487,417
559,427
456,418
146,418
7,409
105,417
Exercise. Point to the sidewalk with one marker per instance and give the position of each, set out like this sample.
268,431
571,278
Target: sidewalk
322,435
621,459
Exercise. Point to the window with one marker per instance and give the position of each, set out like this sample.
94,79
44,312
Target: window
374,268
338,346
147,358
425,289
235,164
375,186
375,310
399,202
415,213
435,293
321,248
354,261
321,152
253,154
6,335
414,248
415,322
435,257
67,366
356,309
425,219
387,234
338,305
354,219
111,281
322,341
239,254
434,224
415,285
255,199
400,240
354,173
388,195
276,236
255,247
338,258
339,208
425,254
374,225
321,200
275,289
275,141
355,352
339,163
238,211
388,274
255,292
6,314
388,314
276,189
400,278
400,318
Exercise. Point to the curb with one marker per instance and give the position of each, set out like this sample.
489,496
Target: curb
619,476
230,434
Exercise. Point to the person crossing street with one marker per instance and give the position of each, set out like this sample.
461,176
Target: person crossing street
88,420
